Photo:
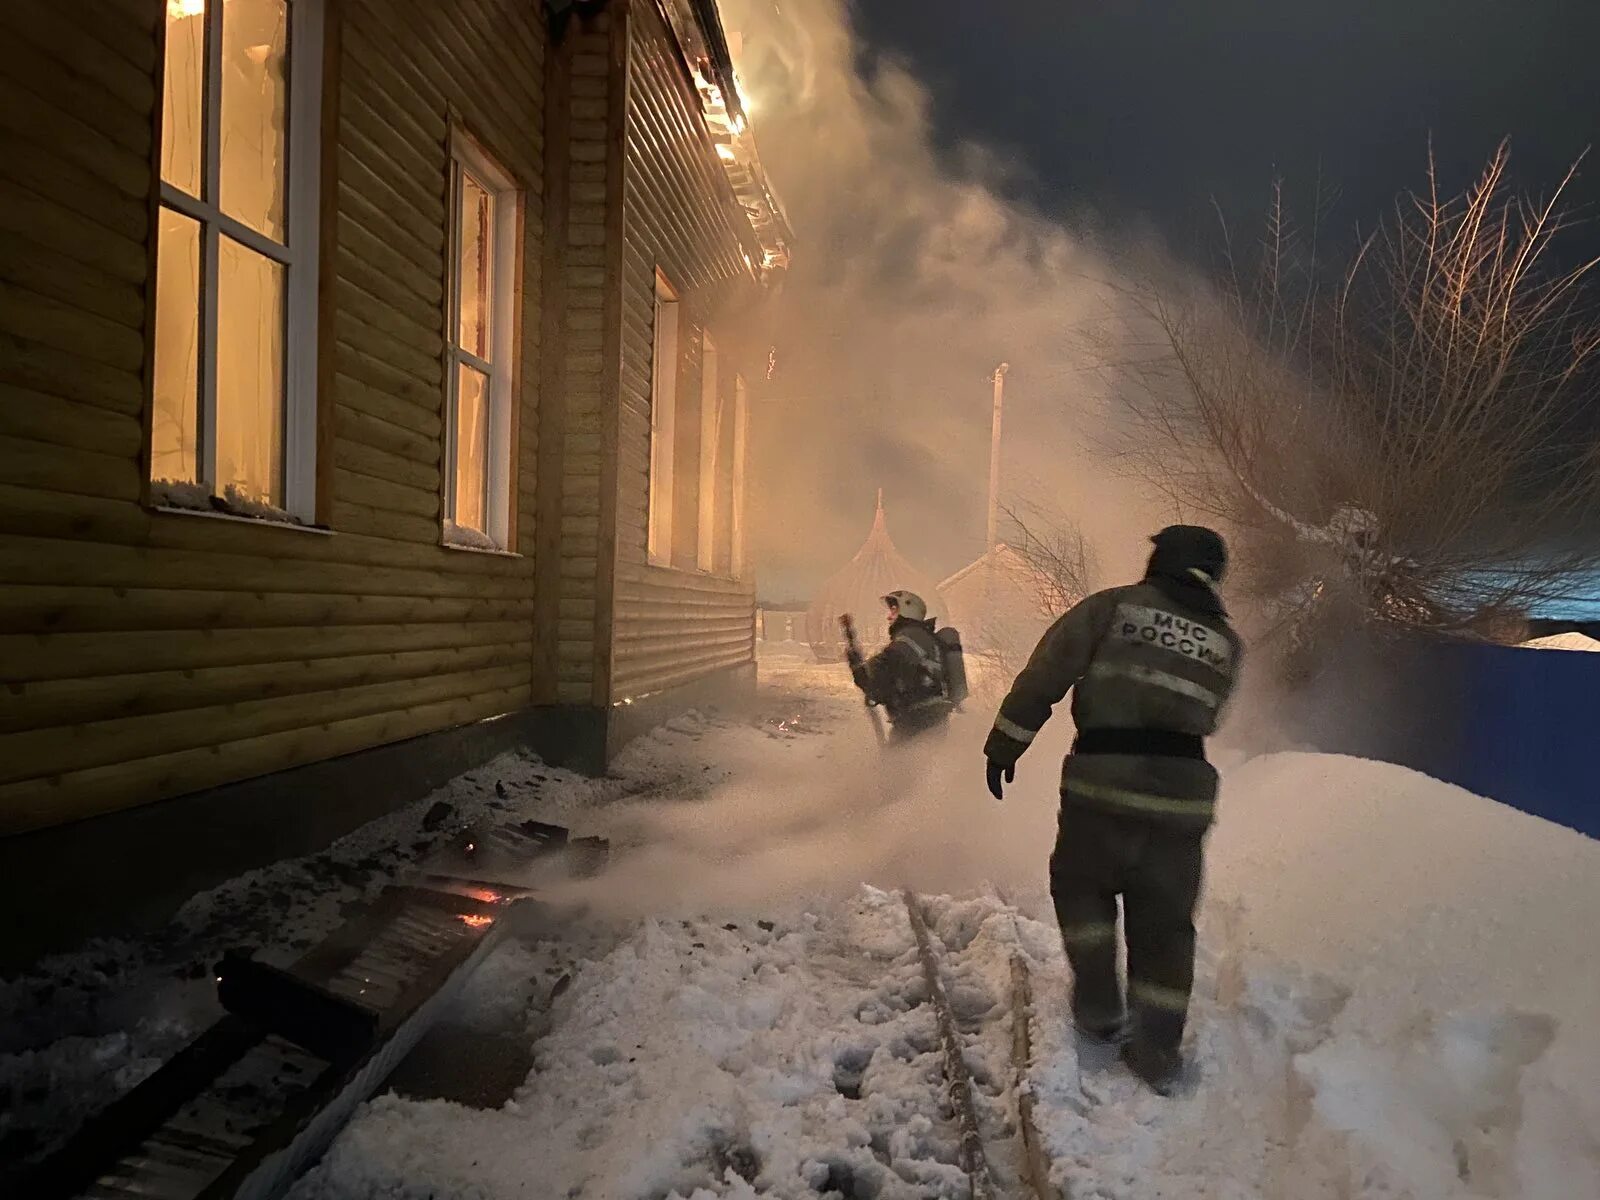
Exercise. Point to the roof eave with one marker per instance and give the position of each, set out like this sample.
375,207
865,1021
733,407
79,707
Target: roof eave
698,28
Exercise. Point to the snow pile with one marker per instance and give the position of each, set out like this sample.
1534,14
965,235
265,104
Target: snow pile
1563,641
466,538
793,1055
1390,1001
79,1029
1388,1004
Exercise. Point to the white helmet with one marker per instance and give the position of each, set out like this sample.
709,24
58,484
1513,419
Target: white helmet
907,604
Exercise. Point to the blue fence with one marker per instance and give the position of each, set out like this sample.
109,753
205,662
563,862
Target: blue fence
1515,725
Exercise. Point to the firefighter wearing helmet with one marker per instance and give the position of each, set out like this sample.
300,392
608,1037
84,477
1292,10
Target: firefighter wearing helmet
1150,667
919,677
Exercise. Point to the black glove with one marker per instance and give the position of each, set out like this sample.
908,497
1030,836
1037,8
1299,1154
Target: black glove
996,771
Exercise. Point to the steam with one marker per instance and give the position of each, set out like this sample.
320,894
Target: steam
784,830
912,279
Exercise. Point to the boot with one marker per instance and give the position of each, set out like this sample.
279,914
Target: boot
1105,1033
1158,1068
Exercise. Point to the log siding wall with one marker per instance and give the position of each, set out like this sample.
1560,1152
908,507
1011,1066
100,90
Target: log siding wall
147,654
673,626
587,85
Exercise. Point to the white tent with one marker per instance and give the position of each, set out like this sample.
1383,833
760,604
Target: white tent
858,589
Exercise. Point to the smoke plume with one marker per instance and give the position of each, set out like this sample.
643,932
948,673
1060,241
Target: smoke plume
912,279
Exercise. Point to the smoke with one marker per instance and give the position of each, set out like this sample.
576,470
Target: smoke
829,811
912,279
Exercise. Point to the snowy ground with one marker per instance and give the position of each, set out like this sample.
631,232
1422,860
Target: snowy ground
1394,998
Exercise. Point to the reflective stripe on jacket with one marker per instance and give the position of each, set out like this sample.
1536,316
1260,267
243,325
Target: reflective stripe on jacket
1134,659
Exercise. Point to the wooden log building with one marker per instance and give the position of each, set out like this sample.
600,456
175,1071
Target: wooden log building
373,397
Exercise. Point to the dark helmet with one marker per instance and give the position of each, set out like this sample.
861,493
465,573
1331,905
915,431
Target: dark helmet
1190,550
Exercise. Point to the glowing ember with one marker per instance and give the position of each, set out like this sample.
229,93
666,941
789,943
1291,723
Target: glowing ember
476,920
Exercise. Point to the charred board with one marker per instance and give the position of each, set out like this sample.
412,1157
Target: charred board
255,1099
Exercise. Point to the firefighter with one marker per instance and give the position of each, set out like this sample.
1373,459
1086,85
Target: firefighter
1151,666
908,676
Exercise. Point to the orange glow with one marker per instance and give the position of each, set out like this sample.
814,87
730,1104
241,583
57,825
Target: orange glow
476,920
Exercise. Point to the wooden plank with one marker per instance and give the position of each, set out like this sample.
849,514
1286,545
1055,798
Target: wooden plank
41,753
41,123
415,198
61,34
371,386
247,538
426,254
630,680
391,345
25,413
386,67
77,655
363,456
413,327
36,803
379,522
46,273
60,515
49,608
71,187
1035,1158
27,463
51,223
375,434
430,571
958,1080
64,327
366,490
124,120
400,135
550,589
368,256
51,702
42,368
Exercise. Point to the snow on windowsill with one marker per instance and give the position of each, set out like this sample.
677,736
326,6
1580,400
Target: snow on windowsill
459,537
197,500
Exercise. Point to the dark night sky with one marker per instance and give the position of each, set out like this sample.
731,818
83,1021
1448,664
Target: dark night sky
1142,110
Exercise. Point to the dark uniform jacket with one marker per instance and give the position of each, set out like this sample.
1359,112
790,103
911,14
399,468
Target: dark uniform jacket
907,675
1150,667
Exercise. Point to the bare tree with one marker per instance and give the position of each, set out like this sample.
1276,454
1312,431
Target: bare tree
1404,444
1043,568
1053,562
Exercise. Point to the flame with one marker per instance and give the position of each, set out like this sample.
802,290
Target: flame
725,152
476,920
178,9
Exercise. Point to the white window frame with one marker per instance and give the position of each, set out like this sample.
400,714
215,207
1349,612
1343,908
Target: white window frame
741,452
710,444
467,157
298,255
665,336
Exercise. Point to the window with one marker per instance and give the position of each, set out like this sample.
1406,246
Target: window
710,437
482,324
741,450
233,410
663,421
